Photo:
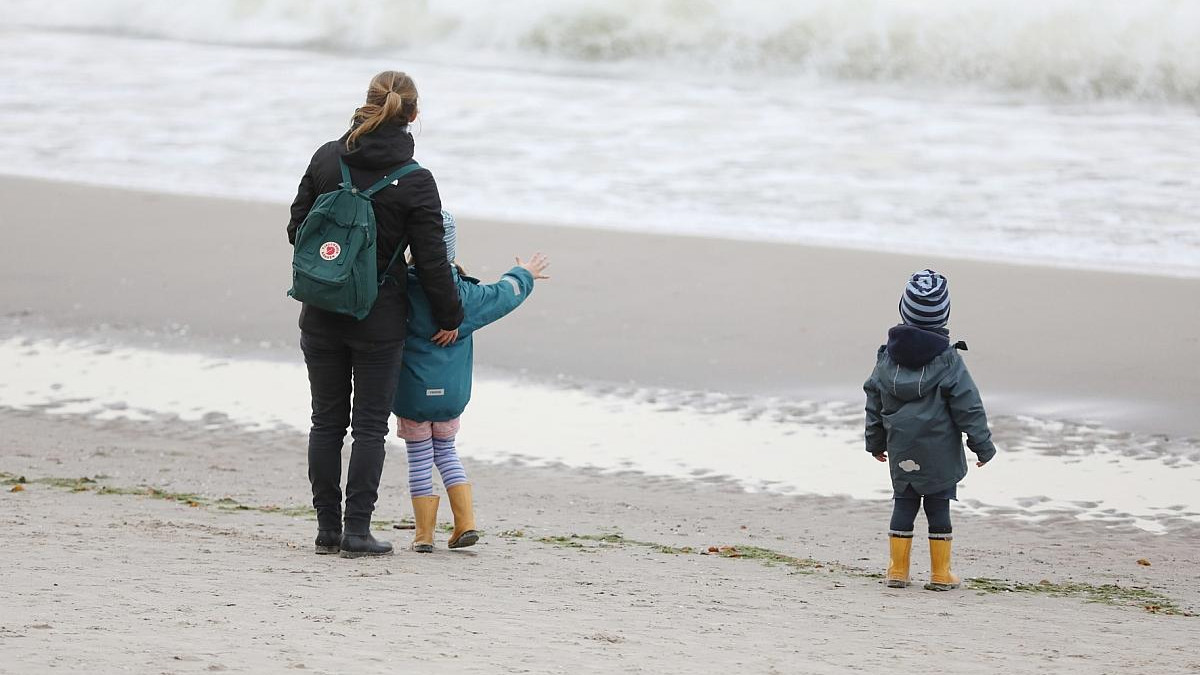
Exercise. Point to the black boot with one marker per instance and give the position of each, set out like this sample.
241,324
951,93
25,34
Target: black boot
360,545
328,541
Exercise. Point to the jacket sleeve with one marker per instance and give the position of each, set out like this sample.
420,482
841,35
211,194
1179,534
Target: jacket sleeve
487,303
427,241
876,435
966,408
306,195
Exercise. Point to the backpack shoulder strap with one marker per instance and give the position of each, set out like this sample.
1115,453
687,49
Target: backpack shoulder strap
393,176
346,182
391,263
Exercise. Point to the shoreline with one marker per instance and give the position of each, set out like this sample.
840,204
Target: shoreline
1063,264
666,311
1049,471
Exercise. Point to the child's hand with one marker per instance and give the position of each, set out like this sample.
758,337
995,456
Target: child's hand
536,265
881,457
980,464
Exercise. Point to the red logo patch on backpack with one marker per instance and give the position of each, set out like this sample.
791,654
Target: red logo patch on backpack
330,250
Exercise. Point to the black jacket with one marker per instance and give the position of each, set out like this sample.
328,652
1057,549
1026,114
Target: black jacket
408,214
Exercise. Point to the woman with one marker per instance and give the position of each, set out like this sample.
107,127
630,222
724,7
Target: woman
353,365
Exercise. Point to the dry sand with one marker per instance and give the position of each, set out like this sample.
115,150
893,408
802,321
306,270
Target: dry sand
118,582
681,312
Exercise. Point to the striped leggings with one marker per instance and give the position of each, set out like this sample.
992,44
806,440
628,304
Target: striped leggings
431,443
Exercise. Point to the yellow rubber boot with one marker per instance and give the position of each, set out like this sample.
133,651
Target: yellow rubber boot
464,516
897,574
939,562
425,515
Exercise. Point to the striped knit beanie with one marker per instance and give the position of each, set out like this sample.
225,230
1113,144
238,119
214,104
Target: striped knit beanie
926,300
451,235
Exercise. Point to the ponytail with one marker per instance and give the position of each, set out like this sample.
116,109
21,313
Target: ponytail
391,95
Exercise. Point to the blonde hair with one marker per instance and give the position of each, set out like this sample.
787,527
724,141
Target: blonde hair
391,95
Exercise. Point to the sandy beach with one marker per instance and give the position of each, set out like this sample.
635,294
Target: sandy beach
174,547
161,544
666,440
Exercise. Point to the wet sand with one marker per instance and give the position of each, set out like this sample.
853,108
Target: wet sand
680,312
1045,469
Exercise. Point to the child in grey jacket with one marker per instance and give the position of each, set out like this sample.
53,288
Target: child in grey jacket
920,402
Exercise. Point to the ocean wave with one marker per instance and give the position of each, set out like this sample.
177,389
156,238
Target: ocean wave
1067,49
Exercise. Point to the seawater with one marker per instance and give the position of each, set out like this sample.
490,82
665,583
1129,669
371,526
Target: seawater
1060,132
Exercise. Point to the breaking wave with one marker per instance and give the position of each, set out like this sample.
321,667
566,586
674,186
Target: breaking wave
1068,49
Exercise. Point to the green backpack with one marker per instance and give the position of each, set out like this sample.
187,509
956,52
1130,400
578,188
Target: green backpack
333,263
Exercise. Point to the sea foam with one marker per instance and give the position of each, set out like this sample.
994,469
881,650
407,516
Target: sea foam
1075,49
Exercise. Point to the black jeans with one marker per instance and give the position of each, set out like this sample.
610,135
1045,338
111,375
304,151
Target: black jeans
340,370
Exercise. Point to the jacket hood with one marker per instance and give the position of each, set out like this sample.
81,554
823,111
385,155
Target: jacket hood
914,347
910,384
389,146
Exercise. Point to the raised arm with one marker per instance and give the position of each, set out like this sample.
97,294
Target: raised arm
486,303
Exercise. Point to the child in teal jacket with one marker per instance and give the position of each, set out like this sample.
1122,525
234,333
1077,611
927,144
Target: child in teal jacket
435,387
